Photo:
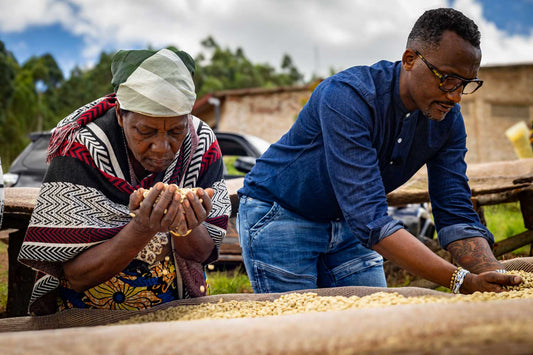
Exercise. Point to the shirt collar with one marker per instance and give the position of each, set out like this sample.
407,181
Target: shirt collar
396,99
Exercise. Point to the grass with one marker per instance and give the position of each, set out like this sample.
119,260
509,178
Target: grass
3,276
505,220
229,161
224,282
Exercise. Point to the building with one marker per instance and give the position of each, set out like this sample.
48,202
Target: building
266,113
505,98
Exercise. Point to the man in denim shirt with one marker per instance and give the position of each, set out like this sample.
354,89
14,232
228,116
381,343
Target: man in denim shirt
313,211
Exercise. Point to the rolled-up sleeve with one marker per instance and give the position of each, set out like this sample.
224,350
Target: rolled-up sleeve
381,228
460,231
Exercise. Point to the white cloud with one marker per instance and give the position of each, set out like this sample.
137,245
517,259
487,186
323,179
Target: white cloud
497,46
17,15
318,34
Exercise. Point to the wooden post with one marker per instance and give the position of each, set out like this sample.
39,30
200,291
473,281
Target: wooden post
479,210
526,205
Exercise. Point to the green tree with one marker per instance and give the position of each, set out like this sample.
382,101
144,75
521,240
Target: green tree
83,86
290,69
19,116
7,79
8,66
222,69
47,77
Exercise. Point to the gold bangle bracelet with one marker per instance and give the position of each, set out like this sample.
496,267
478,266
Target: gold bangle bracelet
180,235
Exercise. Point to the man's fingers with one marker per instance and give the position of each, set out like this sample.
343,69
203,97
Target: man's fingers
516,280
503,279
509,280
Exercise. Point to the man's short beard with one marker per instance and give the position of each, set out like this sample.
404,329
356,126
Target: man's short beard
429,116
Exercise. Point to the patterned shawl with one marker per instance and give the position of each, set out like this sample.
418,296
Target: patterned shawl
84,196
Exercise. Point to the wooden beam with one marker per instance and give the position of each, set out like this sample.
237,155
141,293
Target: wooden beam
513,243
500,197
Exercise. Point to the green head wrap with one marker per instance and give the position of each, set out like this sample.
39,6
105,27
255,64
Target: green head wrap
154,83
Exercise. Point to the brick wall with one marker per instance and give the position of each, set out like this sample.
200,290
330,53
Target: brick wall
505,98
267,115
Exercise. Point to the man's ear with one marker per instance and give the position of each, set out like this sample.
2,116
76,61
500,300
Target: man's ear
120,119
408,59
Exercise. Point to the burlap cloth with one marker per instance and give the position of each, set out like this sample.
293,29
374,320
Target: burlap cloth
494,327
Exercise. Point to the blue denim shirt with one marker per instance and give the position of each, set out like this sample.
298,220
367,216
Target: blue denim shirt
354,142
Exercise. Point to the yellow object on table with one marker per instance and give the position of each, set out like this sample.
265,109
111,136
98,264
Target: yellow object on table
518,134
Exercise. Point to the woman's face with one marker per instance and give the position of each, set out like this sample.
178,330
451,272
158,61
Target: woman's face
154,141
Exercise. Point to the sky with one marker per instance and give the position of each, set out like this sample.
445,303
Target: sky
321,36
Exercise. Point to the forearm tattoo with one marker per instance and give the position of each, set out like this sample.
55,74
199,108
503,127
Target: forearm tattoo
474,254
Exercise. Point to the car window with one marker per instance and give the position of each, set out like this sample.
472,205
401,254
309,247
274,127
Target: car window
232,147
235,146
261,144
36,158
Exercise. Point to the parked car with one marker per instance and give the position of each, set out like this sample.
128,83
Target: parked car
28,169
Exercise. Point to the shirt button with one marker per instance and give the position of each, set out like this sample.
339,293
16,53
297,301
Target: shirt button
407,115
399,140
391,162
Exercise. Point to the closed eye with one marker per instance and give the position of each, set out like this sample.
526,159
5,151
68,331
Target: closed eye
146,132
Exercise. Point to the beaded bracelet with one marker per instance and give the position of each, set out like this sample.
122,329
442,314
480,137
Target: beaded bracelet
501,271
459,279
454,276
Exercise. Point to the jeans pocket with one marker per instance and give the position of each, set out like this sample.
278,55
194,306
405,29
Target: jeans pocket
264,214
270,278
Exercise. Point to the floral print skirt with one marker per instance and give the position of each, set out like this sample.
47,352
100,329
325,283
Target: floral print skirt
139,286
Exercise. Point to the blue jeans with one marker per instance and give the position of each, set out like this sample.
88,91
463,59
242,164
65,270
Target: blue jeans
283,251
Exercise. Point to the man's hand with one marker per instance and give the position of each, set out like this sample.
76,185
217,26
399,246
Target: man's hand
489,281
475,255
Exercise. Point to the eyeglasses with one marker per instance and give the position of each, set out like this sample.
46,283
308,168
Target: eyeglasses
449,83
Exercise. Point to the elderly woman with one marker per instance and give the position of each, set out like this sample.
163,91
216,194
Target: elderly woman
110,229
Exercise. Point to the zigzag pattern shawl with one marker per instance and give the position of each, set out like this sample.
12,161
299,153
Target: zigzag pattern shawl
84,197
